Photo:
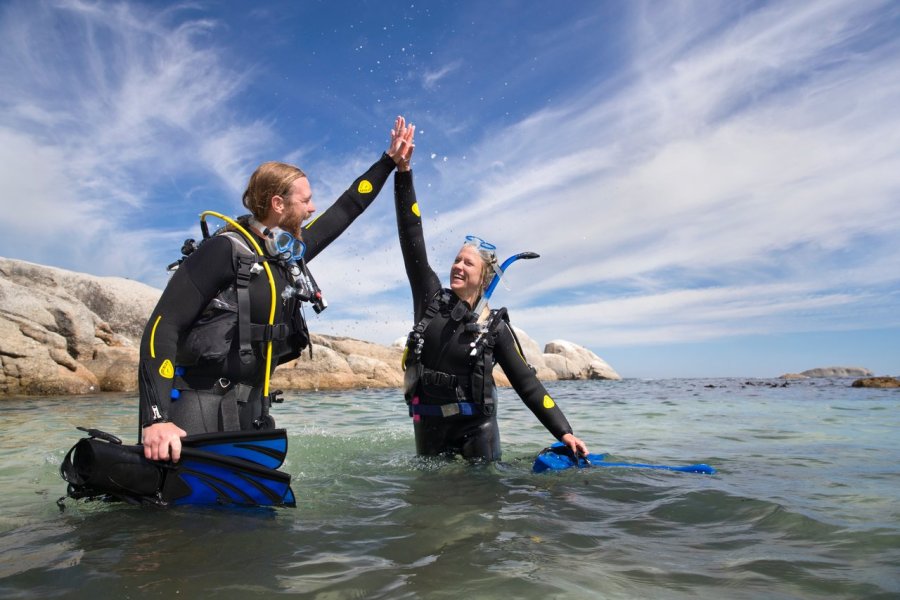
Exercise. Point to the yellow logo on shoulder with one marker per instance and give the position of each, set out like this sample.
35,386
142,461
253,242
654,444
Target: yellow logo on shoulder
364,186
167,370
415,209
548,402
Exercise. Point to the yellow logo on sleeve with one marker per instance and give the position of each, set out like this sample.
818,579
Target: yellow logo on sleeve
548,402
166,369
365,186
415,209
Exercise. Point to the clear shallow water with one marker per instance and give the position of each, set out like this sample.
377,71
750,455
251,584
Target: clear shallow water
805,503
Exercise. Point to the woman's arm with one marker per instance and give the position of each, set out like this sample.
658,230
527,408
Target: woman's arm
423,281
532,391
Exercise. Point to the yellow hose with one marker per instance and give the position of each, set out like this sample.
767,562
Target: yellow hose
259,252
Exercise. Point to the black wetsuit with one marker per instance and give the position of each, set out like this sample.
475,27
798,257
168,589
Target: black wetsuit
446,348
202,276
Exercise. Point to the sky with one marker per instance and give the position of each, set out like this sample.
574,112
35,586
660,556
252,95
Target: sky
713,187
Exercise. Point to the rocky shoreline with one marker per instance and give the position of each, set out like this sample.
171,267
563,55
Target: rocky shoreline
68,333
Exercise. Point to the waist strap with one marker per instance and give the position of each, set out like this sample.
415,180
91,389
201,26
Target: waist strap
465,409
232,394
441,379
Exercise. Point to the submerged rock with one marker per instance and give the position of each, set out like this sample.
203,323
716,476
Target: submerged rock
877,382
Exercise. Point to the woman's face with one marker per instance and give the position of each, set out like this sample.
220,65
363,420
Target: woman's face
466,274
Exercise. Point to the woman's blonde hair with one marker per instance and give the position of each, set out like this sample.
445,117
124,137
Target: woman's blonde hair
270,179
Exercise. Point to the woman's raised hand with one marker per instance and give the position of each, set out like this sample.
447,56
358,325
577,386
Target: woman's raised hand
402,143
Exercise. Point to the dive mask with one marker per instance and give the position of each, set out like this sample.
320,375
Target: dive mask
281,244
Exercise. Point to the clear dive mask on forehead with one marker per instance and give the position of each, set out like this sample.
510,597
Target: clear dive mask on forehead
486,250
473,240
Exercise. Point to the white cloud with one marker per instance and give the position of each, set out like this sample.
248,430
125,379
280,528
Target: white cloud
118,100
750,156
431,78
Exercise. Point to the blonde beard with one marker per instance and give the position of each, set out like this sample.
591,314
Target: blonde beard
293,226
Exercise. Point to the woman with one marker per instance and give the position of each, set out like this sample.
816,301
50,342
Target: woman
451,351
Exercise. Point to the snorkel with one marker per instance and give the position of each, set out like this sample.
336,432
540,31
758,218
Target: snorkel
489,291
499,274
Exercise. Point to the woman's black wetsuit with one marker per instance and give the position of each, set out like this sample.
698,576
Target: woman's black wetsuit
446,349
185,307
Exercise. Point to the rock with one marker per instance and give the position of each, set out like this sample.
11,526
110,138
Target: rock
877,382
341,363
57,326
838,372
63,333
793,376
579,362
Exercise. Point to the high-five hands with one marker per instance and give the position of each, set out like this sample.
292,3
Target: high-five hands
402,145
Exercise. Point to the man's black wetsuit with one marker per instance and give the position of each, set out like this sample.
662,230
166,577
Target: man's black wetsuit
446,349
198,281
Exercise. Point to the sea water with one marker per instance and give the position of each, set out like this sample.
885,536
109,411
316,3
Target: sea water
804,503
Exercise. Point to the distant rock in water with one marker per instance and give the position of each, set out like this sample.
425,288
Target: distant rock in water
877,382
838,372
571,361
68,333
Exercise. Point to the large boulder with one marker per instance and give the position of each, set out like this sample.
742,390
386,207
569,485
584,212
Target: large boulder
341,363
63,333
571,361
68,333
838,372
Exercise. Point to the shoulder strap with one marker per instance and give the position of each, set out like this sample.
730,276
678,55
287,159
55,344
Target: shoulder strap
244,260
415,340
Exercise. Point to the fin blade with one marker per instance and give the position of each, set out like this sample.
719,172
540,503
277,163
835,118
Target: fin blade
267,448
202,477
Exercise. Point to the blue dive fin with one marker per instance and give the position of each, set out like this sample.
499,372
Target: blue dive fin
558,457
238,467
267,448
203,477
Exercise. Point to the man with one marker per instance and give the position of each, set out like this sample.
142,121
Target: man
233,309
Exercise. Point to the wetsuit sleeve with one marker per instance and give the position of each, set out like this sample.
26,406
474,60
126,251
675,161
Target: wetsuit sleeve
331,223
196,282
423,281
527,385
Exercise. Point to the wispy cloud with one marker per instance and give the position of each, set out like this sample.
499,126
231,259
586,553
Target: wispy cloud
431,78
114,102
744,159
731,170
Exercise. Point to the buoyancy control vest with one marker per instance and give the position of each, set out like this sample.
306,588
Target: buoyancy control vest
209,341
450,394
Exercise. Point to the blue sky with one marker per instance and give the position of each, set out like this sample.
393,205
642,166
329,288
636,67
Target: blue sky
713,187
